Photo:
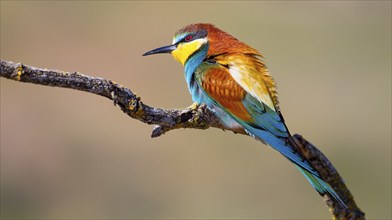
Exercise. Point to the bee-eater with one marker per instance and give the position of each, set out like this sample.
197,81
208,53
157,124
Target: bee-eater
231,79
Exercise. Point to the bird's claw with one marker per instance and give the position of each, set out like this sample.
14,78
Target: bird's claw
194,106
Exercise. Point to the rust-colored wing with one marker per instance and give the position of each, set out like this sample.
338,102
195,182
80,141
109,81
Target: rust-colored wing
218,83
239,100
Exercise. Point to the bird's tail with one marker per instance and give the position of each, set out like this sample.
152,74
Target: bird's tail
321,186
288,148
314,177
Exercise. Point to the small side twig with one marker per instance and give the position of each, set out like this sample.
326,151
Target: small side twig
198,117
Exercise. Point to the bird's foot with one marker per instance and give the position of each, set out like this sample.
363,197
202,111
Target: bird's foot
194,106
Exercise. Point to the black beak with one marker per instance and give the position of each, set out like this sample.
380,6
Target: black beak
165,49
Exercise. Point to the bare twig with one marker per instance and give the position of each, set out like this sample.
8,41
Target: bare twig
199,117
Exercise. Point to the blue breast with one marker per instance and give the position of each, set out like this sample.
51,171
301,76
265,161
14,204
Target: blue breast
191,65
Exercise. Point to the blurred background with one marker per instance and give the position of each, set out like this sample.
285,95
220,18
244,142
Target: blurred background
70,154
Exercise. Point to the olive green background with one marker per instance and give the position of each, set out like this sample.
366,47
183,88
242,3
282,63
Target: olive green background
70,154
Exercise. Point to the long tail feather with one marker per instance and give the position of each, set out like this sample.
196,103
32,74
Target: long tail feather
321,186
290,150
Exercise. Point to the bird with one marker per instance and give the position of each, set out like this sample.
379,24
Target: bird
232,80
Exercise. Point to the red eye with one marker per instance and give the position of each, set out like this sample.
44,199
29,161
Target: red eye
188,38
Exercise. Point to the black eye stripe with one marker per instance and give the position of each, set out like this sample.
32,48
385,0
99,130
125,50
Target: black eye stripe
193,36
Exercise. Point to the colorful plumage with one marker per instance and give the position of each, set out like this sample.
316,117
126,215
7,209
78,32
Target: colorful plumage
230,78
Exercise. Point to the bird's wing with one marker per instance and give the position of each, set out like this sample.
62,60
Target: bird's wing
253,104
257,118
253,76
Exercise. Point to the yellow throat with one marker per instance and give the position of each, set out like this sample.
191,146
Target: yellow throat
184,50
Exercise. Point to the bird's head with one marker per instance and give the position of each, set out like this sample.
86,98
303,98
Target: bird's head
192,38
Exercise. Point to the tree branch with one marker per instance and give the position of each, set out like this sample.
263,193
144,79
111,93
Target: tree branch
199,117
